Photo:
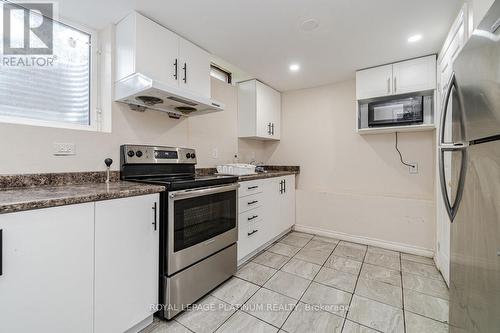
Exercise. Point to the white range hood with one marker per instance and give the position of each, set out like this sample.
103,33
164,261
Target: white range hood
141,92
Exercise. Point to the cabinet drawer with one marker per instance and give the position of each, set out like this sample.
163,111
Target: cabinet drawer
249,232
250,202
250,187
251,215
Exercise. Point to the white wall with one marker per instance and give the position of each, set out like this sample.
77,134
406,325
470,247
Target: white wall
28,149
352,184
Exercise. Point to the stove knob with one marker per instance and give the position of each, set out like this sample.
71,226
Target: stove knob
193,155
130,153
188,155
138,153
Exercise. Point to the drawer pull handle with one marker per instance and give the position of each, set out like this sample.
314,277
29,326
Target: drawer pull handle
252,202
251,233
253,187
252,218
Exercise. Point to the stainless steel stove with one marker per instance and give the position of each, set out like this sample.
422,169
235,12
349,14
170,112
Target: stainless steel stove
198,222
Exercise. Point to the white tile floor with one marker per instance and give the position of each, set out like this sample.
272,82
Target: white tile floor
306,283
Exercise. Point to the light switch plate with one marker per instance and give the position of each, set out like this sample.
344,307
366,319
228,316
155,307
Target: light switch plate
215,153
64,149
413,170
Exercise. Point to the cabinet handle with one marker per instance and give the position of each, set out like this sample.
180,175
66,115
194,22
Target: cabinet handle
269,128
395,84
281,187
284,185
272,128
154,218
176,69
388,85
252,218
185,73
251,233
1,254
252,187
252,202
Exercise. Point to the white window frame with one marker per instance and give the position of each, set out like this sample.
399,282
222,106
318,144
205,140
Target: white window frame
94,93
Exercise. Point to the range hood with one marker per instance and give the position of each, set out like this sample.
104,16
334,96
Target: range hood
141,92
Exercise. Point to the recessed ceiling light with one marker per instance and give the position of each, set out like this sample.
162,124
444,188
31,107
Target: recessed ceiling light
294,67
309,24
414,38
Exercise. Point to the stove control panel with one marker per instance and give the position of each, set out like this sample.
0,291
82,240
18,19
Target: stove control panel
137,154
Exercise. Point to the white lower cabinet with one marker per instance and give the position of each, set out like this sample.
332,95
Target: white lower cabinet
82,268
126,262
273,214
47,276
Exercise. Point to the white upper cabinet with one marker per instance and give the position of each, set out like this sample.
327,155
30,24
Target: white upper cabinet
144,46
47,278
259,111
399,78
414,75
194,68
374,82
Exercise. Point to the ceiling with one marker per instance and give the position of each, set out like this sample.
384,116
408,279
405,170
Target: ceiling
263,37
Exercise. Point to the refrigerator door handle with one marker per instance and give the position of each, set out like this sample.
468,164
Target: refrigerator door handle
451,84
452,209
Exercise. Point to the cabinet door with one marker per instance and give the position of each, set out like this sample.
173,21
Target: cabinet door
194,68
126,262
414,75
268,106
47,275
272,205
156,51
374,82
288,203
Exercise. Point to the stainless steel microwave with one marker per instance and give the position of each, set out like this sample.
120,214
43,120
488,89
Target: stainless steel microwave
398,111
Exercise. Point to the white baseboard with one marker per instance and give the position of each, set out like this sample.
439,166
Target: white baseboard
366,241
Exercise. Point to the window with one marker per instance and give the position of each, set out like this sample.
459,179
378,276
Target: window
219,73
55,89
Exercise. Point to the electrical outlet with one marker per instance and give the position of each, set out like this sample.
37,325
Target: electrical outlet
64,149
414,169
215,153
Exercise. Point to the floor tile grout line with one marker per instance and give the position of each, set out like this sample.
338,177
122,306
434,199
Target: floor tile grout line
427,317
241,306
262,287
305,290
402,292
353,292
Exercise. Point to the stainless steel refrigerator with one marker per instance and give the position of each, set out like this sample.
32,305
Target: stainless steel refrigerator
472,144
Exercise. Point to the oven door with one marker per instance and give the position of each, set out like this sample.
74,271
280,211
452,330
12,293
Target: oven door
200,223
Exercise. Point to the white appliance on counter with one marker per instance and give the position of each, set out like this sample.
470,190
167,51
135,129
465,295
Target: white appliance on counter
236,169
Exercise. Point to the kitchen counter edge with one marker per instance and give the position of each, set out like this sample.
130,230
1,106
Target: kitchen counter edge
29,198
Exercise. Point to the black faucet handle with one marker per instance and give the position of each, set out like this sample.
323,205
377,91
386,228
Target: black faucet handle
108,162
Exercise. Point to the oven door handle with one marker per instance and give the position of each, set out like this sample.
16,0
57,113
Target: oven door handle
198,192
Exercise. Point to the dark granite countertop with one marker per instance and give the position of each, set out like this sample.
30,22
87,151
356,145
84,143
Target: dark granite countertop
270,172
15,199
267,174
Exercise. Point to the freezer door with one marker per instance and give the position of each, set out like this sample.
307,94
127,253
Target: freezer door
477,71
475,244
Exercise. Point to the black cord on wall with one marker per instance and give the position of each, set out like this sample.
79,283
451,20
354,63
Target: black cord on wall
401,156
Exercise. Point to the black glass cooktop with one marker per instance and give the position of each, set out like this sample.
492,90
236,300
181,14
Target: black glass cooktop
173,183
